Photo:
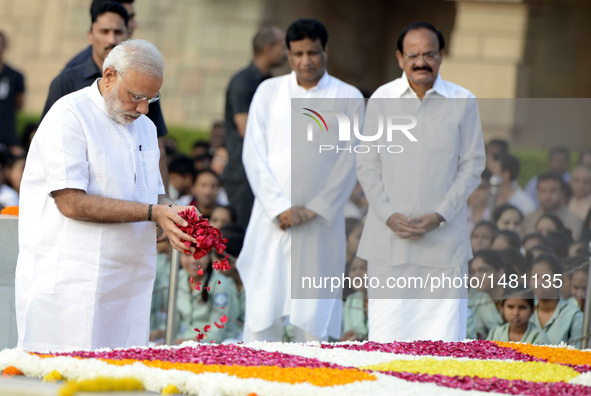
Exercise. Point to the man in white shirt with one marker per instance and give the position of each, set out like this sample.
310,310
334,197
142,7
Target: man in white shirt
552,198
558,163
91,194
288,213
509,190
417,198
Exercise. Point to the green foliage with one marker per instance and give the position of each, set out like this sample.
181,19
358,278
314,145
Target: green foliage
23,119
534,161
184,136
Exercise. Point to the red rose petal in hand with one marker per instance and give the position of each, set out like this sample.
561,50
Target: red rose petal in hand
207,236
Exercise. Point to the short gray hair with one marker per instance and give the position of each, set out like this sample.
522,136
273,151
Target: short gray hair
139,55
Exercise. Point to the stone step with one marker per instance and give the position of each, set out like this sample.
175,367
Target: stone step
23,386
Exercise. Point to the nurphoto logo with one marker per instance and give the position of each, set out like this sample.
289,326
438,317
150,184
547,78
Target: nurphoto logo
393,124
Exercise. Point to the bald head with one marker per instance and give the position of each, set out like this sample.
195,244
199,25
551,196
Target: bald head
266,36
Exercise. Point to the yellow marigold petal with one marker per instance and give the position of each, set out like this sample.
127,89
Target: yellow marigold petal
170,389
101,384
53,377
551,354
527,371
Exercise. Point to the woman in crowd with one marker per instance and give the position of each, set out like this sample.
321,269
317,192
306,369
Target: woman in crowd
508,217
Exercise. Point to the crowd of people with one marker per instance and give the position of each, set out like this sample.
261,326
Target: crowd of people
538,239
504,248
534,239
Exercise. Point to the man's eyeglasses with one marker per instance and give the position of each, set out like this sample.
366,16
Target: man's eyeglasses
138,98
427,56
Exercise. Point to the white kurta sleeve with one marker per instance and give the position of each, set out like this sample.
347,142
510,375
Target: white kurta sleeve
342,178
471,162
64,151
369,171
255,157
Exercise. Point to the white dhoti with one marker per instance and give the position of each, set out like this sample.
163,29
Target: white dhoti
404,317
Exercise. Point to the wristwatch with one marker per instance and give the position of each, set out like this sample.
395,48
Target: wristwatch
442,223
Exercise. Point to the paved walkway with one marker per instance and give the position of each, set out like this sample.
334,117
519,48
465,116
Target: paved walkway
23,386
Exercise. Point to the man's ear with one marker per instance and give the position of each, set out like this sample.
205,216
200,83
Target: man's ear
109,76
89,35
399,57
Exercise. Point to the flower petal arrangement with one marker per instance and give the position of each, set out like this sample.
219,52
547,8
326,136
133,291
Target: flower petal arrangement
9,211
350,368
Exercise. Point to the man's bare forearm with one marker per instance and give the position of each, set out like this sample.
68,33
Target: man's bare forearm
78,205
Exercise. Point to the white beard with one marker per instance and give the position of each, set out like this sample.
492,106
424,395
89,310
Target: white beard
114,105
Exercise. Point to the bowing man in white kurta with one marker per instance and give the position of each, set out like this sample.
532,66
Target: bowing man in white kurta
84,275
266,258
412,194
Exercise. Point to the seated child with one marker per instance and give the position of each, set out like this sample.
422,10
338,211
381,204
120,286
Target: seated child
517,308
199,308
559,320
482,235
159,306
355,307
235,235
578,281
222,216
484,303
506,239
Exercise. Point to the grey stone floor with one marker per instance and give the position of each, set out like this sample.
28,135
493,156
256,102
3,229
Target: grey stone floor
22,386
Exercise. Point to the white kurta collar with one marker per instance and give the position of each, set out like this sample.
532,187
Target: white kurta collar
97,98
438,87
322,83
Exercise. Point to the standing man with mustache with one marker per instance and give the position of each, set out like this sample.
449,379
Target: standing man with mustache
417,221
86,53
111,23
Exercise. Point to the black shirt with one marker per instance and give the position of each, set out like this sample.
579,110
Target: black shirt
80,57
83,75
11,84
238,97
